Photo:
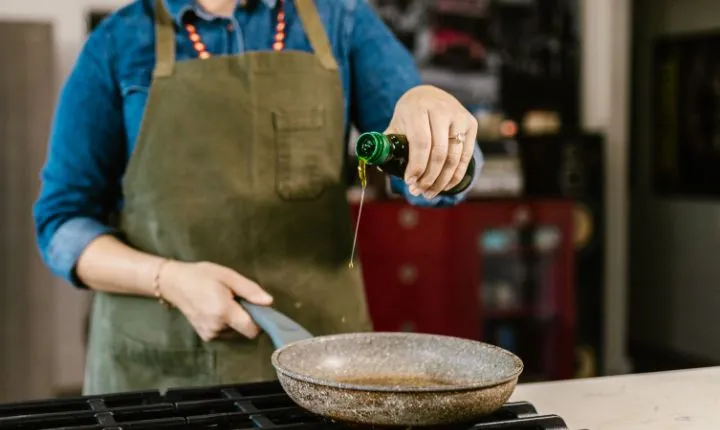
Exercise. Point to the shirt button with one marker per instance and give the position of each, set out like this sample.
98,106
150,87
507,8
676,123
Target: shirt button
230,27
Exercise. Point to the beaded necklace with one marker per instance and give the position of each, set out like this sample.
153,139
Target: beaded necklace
278,39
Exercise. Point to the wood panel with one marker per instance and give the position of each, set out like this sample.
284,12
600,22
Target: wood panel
26,100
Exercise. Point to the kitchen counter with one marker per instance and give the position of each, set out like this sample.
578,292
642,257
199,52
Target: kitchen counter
685,399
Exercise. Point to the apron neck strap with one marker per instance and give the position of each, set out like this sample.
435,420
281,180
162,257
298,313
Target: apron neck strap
309,16
164,40
315,32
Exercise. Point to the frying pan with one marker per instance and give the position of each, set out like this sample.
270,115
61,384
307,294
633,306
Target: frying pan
393,379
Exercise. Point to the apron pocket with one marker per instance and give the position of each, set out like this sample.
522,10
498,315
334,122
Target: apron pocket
136,344
133,365
300,140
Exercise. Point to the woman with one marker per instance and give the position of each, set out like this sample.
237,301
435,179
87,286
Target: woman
214,131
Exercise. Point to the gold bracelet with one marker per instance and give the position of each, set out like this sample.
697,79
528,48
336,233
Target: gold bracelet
156,285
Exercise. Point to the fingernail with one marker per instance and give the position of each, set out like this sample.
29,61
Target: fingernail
411,180
414,190
429,195
265,298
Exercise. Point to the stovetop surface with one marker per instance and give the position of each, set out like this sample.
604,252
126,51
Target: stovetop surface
233,407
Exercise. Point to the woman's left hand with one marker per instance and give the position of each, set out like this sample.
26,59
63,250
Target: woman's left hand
441,137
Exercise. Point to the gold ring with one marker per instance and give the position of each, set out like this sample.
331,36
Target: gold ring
459,137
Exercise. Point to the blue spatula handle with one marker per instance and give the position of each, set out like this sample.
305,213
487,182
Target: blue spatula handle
281,329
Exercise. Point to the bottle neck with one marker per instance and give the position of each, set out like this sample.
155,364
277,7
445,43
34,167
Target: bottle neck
373,148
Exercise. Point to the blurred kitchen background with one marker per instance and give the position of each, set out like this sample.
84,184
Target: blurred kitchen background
588,245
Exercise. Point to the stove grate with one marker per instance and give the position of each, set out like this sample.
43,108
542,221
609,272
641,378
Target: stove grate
262,406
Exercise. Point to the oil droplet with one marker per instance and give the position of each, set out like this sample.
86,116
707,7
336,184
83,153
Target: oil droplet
343,319
362,174
298,305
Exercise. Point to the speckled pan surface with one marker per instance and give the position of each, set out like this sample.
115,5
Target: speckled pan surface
397,408
397,379
393,362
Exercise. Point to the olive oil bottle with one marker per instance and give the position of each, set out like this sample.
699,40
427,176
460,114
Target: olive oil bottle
389,154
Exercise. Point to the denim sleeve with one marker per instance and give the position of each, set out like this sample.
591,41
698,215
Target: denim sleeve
85,161
382,71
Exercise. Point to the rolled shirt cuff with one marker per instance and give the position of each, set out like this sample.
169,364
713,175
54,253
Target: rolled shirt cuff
69,242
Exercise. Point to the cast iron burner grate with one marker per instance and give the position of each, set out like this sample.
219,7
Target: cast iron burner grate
233,407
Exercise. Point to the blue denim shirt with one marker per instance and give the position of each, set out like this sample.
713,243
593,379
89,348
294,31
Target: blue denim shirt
101,105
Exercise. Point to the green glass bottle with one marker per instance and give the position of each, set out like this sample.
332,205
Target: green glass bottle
389,154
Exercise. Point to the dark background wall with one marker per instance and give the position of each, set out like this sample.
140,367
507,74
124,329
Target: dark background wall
675,238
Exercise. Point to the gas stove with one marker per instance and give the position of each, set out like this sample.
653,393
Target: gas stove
232,407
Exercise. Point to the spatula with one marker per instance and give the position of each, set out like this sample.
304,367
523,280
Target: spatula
281,328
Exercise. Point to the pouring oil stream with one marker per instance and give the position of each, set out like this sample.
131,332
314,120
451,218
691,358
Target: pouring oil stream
362,165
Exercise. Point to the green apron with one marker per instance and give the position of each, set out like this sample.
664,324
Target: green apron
239,162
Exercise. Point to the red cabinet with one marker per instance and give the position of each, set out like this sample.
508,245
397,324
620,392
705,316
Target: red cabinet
409,262
495,271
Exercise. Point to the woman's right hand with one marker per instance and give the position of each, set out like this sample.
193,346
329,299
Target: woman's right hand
205,293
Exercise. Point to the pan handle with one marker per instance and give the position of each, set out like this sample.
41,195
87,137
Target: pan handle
281,329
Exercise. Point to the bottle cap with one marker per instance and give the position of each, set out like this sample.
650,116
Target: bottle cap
372,147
